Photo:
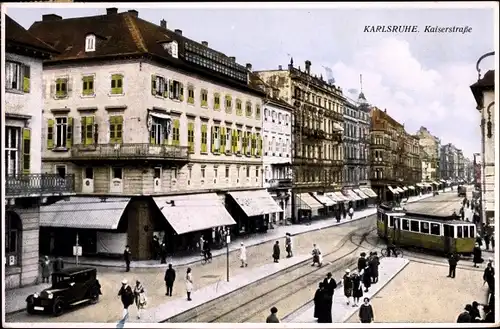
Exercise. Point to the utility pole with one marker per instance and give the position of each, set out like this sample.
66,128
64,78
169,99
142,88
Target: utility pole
77,249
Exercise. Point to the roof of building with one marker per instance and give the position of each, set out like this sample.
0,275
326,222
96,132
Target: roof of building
17,35
487,82
119,34
271,92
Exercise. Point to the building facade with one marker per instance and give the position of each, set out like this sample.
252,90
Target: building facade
194,137
317,133
460,166
430,154
25,186
364,122
449,162
351,146
484,93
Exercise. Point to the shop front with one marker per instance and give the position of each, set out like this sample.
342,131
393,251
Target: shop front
307,207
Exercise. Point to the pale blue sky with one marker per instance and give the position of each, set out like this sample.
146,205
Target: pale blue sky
422,79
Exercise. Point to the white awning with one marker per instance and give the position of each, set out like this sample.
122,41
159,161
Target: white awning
434,182
256,203
324,199
342,197
443,181
411,187
360,193
194,212
337,127
84,213
393,191
399,189
353,196
420,185
160,115
309,202
368,191
427,185
405,188
332,196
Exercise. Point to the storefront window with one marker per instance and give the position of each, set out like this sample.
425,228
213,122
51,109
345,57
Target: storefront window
13,230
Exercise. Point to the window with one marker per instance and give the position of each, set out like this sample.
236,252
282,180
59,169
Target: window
158,133
424,227
191,137
63,133
227,171
239,105
88,85
190,95
239,141
13,232
228,142
229,103
190,172
158,86
62,87
472,231
12,149
202,172
248,109
466,231
253,145
87,130
280,117
117,173
266,114
61,171
117,84
216,101
215,132
257,112
204,138
248,171
174,49
17,77
406,226
116,129
176,132
216,173
257,172
460,233
176,90
90,43
204,97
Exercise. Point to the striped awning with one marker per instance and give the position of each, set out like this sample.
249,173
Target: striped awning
306,201
361,194
411,187
368,191
393,190
324,199
342,197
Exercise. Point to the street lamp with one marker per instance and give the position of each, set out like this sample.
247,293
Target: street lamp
228,240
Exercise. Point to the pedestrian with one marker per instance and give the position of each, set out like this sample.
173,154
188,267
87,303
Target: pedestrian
477,259
487,240
276,252
140,297
126,256
163,254
58,264
318,299
127,296
169,280
337,215
479,240
361,262
452,265
317,257
492,241
464,317
189,283
288,245
45,264
344,213
351,212
489,316
357,288
325,309
330,285
347,283
475,315
273,317
366,312
243,255
156,247
367,278
201,244
374,264
489,275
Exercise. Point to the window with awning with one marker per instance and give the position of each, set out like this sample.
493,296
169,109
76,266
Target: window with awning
256,203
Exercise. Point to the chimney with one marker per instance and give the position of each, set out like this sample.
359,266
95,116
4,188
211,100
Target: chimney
280,67
249,67
308,66
51,17
134,13
233,59
179,32
163,23
204,43
111,11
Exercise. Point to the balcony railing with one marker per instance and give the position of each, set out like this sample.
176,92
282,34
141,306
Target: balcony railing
131,151
39,185
281,183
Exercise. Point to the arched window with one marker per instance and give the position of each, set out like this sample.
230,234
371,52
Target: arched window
90,42
13,235
266,113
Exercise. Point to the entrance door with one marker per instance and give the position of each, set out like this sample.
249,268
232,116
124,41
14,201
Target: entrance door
448,233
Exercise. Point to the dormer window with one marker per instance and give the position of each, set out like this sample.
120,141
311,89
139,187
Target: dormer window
90,43
175,49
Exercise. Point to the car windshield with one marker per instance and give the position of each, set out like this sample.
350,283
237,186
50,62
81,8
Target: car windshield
59,280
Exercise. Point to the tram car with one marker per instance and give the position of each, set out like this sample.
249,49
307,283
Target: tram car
432,232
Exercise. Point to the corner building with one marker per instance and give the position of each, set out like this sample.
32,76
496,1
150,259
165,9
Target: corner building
162,133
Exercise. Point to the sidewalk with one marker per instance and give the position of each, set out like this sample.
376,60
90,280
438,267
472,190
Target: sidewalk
277,233
341,312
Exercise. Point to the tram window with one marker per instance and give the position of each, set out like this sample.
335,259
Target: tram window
466,231
448,231
435,229
406,225
391,221
472,230
460,233
424,227
414,226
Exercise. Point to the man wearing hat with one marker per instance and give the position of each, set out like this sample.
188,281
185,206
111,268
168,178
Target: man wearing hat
330,285
465,317
288,245
489,274
127,297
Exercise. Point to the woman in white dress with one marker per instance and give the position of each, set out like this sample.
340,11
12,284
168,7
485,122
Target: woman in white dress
140,297
189,283
243,255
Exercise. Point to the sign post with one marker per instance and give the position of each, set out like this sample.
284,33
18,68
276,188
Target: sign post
77,250
228,240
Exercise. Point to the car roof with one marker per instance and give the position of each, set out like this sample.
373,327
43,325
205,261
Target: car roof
75,270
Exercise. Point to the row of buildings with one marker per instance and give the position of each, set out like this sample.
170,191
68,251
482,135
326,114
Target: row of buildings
118,129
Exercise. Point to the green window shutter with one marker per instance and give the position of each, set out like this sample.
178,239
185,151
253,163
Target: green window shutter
181,92
153,84
83,129
26,78
238,149
152,139
50,134
119,129
89,130
118,84
26,150
88,86
203,138
69,133
257,138
191,136
171,88
222,144
112,129
212,140
59,90
176,134
260,146
252,150
216,104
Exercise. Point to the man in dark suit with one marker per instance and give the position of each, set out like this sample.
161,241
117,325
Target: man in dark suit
330,285
452,262
169,279
126,256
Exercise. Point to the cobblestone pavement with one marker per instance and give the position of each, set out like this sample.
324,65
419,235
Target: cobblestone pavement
109,307
422,293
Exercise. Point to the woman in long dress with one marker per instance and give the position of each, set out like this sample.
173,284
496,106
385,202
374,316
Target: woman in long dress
45,269
243,255
477,259
189,283
347,283
357,288
318,298
140,297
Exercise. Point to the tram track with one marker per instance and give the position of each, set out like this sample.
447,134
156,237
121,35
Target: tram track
251,301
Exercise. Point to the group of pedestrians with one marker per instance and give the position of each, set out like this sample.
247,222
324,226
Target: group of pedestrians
57,266
130,296
277,250
323,299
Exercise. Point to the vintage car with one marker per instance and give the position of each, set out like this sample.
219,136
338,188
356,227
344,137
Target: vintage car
70,287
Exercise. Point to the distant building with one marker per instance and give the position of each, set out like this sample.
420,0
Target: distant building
430,155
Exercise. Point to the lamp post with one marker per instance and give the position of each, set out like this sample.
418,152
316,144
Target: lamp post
228,240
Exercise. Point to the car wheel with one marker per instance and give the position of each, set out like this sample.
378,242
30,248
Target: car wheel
58,307
94,296
30,307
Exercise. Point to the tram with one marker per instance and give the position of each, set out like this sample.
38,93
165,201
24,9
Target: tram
438,233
